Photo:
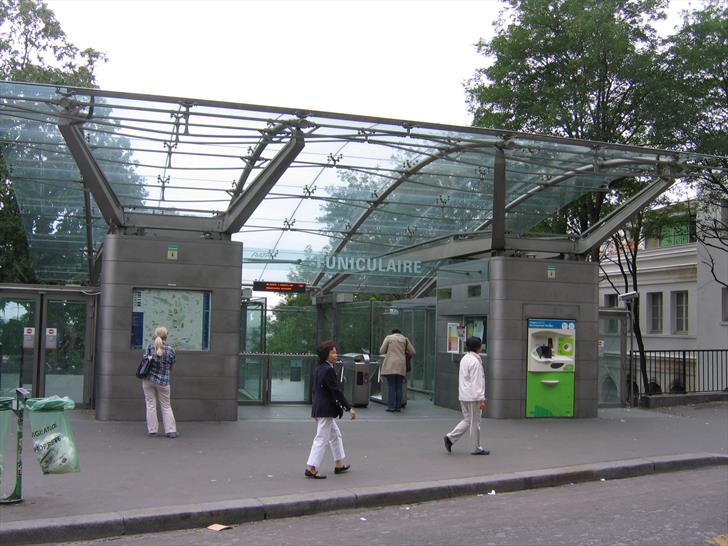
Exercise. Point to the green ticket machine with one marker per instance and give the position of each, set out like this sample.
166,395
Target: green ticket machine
551,360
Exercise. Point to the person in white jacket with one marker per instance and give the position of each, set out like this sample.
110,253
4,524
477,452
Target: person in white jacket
472,397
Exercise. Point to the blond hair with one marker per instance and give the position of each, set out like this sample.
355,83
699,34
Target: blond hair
160,336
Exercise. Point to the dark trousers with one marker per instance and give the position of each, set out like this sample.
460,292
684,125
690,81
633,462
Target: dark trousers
394,391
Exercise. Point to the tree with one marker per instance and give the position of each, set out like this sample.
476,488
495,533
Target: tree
571,68
33,48
695,117
622,249
584,69
293,328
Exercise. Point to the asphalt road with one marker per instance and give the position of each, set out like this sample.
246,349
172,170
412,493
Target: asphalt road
672,509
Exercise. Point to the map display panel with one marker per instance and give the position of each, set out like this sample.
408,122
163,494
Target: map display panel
185,314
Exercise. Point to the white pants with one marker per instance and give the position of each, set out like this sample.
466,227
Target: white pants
152,392
471,422
327,433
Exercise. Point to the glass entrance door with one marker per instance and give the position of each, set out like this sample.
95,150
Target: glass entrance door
64,349
46,345
18,343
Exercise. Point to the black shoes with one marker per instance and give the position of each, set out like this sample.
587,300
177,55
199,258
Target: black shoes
480,451
448,444
342,469
171,435
314,475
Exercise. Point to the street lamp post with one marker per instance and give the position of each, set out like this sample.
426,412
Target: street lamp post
629,298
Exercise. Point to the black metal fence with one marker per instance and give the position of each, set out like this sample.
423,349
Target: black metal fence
702,370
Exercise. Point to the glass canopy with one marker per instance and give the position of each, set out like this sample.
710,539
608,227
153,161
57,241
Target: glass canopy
359,188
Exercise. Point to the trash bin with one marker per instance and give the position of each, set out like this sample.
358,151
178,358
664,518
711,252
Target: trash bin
51,433
356,368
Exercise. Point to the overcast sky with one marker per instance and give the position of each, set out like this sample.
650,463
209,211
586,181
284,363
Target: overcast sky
398,59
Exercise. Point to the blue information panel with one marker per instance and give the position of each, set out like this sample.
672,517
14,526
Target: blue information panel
552,324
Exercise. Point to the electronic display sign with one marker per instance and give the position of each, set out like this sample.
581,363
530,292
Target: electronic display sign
267,286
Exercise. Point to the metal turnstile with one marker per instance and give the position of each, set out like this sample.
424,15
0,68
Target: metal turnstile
355,378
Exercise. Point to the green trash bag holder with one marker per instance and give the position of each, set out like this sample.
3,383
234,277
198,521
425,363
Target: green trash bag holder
17,406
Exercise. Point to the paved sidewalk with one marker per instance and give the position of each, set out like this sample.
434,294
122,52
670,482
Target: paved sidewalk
253,468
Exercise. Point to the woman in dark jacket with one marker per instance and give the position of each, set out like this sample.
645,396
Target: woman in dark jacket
328,403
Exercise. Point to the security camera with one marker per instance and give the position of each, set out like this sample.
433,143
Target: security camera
629,296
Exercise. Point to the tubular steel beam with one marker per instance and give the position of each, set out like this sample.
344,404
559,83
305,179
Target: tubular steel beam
93,177
598,233
244,205
498,233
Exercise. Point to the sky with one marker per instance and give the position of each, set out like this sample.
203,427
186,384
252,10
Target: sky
396,59
402,59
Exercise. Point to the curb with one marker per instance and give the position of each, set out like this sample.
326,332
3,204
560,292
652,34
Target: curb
175,518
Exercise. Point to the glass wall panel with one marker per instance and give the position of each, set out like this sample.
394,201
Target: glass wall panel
353,327
65,349
417,323
17,344
291,329
291,378
253,326
251,378
611,359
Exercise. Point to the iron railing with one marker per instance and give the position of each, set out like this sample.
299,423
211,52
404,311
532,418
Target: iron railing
685,371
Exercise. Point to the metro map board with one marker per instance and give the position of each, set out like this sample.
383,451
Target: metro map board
266,286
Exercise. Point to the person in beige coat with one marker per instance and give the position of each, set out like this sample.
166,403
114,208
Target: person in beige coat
395,347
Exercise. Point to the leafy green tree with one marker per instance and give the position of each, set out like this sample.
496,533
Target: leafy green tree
293,326
33,48
597,70
694,117
571,68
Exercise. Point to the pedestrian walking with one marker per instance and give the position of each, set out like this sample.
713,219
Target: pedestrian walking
156,385
396,348
329,402
471,387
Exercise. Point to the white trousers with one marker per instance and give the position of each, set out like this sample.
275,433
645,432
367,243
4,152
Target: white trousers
327,434
152,393
470,423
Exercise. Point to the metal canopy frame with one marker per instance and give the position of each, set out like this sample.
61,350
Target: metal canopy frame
296,185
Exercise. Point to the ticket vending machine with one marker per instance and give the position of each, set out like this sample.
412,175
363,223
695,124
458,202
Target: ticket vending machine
551,361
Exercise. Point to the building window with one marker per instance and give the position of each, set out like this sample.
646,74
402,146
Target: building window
680,312
444,293
678,234
474,290
724,304
610,300
654,311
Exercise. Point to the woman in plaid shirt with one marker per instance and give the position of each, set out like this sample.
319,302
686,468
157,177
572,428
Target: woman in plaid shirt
156,384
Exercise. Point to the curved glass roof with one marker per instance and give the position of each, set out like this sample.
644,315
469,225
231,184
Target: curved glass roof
357,187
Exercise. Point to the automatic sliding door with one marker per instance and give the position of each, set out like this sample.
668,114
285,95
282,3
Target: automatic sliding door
64,349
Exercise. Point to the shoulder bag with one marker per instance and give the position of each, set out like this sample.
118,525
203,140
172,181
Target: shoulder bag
145,366
407,356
